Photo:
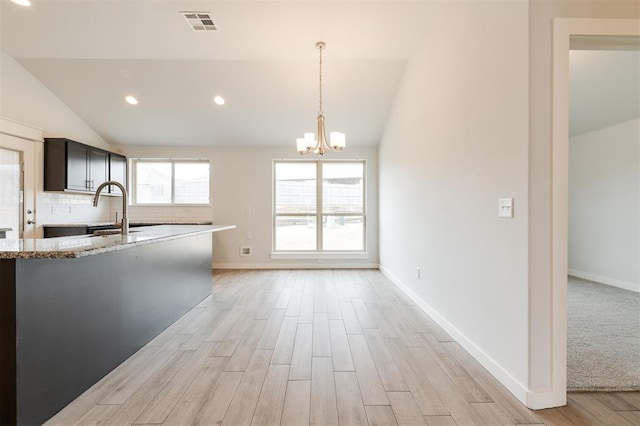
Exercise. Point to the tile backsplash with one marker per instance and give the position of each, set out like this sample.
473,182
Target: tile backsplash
59,208
66,208
169,214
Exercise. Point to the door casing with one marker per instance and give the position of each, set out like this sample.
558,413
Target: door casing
27,140
563,31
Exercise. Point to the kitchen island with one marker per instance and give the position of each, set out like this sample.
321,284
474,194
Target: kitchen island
73,308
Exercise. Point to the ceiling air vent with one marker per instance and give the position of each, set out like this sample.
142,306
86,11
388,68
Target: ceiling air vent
200,21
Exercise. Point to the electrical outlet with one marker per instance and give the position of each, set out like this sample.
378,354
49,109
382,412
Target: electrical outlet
54,209
418,273
248,235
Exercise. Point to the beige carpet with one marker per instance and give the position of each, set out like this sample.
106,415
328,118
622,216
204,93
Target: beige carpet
603,338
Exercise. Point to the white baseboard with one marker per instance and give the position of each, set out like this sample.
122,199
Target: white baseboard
625,285
293,265
519,390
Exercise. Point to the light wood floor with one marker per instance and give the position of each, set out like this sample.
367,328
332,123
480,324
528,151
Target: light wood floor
315,347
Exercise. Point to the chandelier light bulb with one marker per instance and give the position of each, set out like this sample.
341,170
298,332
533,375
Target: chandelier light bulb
309,140
301,144
338,140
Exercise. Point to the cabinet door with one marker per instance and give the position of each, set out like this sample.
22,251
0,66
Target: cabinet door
77,173
117,172
99,168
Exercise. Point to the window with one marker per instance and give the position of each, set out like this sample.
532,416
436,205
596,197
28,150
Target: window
170,181
319,206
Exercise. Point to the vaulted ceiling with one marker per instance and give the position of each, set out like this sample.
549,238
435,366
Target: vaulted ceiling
263,61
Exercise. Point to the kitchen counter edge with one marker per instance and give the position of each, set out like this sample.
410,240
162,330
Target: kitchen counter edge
87,245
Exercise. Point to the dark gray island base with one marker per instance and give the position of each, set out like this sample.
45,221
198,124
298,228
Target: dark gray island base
67,322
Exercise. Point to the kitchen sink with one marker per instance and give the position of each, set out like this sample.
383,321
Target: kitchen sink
107,232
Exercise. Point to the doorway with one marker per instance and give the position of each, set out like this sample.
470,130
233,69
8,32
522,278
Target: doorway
567,32
17,180
11,194
603,322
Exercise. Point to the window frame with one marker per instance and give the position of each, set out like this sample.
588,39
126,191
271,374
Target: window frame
133,178
319,214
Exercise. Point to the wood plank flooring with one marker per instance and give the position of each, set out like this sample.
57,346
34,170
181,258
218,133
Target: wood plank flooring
320,347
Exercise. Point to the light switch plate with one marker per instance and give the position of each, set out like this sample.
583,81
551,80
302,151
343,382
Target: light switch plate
505,207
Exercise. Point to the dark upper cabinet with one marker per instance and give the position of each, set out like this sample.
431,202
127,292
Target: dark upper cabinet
98,168
73,166
117,172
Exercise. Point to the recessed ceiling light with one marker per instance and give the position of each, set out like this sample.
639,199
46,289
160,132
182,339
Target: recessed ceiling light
22,2
218,100
130,99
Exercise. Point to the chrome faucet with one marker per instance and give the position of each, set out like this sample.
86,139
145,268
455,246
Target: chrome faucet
125,219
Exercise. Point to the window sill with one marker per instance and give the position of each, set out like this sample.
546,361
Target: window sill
319,255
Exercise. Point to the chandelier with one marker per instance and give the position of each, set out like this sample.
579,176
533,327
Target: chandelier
308,143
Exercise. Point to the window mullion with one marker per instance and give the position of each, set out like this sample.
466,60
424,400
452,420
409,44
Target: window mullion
173,182
132,182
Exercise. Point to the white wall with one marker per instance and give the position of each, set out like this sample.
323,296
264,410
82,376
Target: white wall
241,195
604,205
456,142
25,100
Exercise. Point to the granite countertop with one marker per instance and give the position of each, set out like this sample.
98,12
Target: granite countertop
88,245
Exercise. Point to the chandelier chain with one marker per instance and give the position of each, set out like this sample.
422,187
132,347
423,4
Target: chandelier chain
320,112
